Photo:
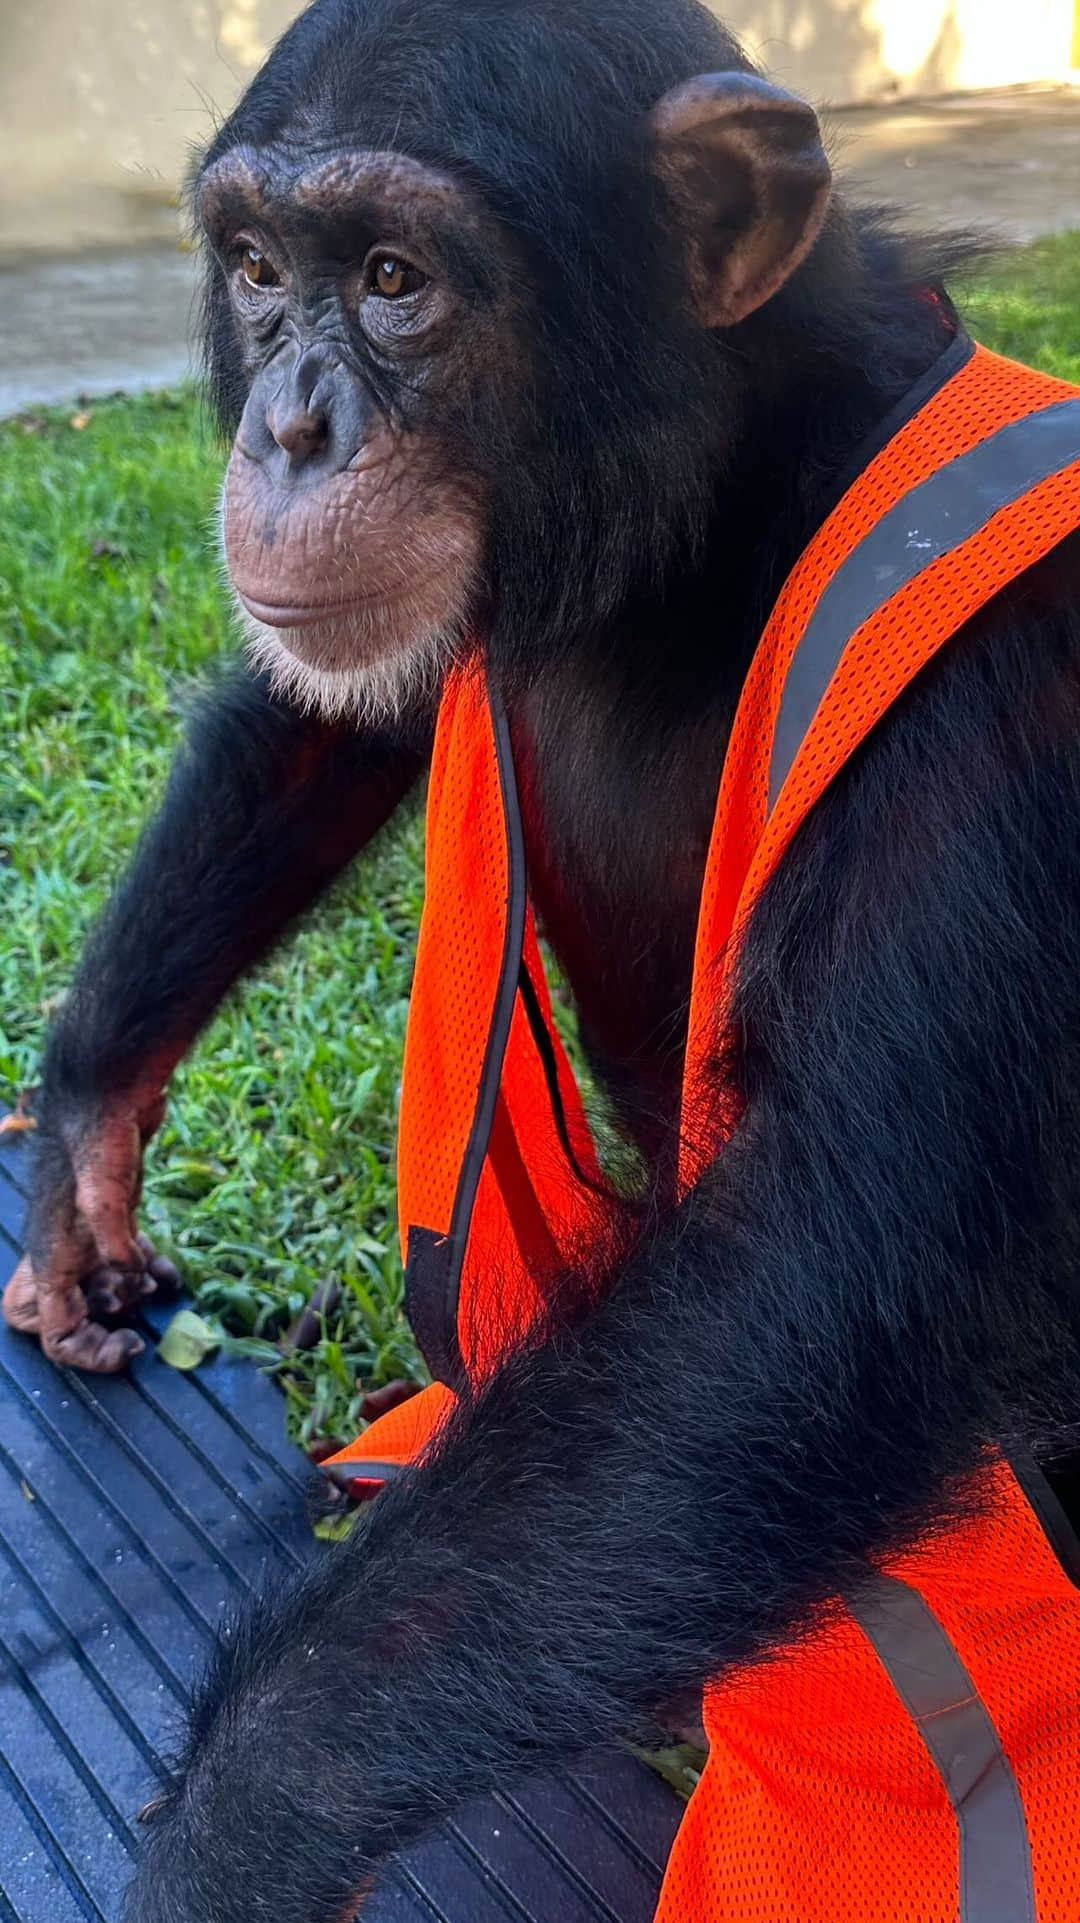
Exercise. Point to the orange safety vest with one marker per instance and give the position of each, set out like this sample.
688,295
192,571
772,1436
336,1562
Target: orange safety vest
918,1759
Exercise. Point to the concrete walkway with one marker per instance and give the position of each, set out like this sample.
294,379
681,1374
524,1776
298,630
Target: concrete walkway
96,322
73,324
1004,162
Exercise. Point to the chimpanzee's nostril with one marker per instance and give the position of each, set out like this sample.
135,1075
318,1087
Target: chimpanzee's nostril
301,429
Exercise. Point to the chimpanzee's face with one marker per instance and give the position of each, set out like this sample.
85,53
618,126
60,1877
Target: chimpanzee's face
372,306
480,389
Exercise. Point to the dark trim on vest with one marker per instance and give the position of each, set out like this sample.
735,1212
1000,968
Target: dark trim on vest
1048,1508
429,1287
344,1474
433,1281
546,1051
911,402
996,1878
934,519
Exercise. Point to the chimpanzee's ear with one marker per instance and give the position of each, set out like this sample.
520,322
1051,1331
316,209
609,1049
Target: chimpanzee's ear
745,164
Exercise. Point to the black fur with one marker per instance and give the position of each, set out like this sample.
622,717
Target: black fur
794,1371
790,1377
263,811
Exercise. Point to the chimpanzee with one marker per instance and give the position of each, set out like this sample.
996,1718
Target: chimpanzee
549,351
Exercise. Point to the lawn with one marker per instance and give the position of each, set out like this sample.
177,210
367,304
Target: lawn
274,1170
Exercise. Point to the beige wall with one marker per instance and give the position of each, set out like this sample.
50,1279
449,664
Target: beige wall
100,100
848,50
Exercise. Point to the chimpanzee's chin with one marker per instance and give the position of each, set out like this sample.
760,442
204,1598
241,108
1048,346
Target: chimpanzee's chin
371,681
340,637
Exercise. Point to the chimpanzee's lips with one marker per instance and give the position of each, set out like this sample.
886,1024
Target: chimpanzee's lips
315,614
274,615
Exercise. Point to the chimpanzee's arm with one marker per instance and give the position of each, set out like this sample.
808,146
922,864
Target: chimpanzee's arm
876,1276
264,808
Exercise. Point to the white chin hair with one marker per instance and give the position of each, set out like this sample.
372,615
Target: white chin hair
370,693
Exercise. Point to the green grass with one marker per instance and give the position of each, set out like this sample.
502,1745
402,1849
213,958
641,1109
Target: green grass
274,1170
1029,306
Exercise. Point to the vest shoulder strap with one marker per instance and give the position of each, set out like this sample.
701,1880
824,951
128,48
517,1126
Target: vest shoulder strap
978,485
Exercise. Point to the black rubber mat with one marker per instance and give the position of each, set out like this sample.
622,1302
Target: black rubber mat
134,1512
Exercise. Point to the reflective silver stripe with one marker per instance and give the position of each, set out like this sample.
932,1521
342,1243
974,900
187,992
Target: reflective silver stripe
995,1853
930,521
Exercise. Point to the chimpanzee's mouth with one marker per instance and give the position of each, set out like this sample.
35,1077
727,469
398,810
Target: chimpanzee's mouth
317,614
274,615
362,665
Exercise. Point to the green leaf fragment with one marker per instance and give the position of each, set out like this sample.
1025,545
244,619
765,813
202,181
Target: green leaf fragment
336,1528
187,1341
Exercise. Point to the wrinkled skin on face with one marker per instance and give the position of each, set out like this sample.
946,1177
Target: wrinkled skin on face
368,307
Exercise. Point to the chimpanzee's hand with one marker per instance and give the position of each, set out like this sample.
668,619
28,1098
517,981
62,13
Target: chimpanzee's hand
86,1266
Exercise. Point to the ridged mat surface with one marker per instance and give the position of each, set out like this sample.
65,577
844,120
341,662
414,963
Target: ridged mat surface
134,1513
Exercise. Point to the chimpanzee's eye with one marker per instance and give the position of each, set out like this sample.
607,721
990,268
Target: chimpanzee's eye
257,270
391,277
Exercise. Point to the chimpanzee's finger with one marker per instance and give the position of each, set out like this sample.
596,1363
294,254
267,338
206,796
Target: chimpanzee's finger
170,1282
166,1275
112,1292
105,1183
103,1291
108,1218
21,1300
68,1336
94,1349
136,1287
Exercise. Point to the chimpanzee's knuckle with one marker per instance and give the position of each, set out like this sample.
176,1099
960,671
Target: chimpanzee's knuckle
20,1300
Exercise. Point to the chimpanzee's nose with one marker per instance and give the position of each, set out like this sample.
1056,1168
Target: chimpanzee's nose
307,415
299,426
